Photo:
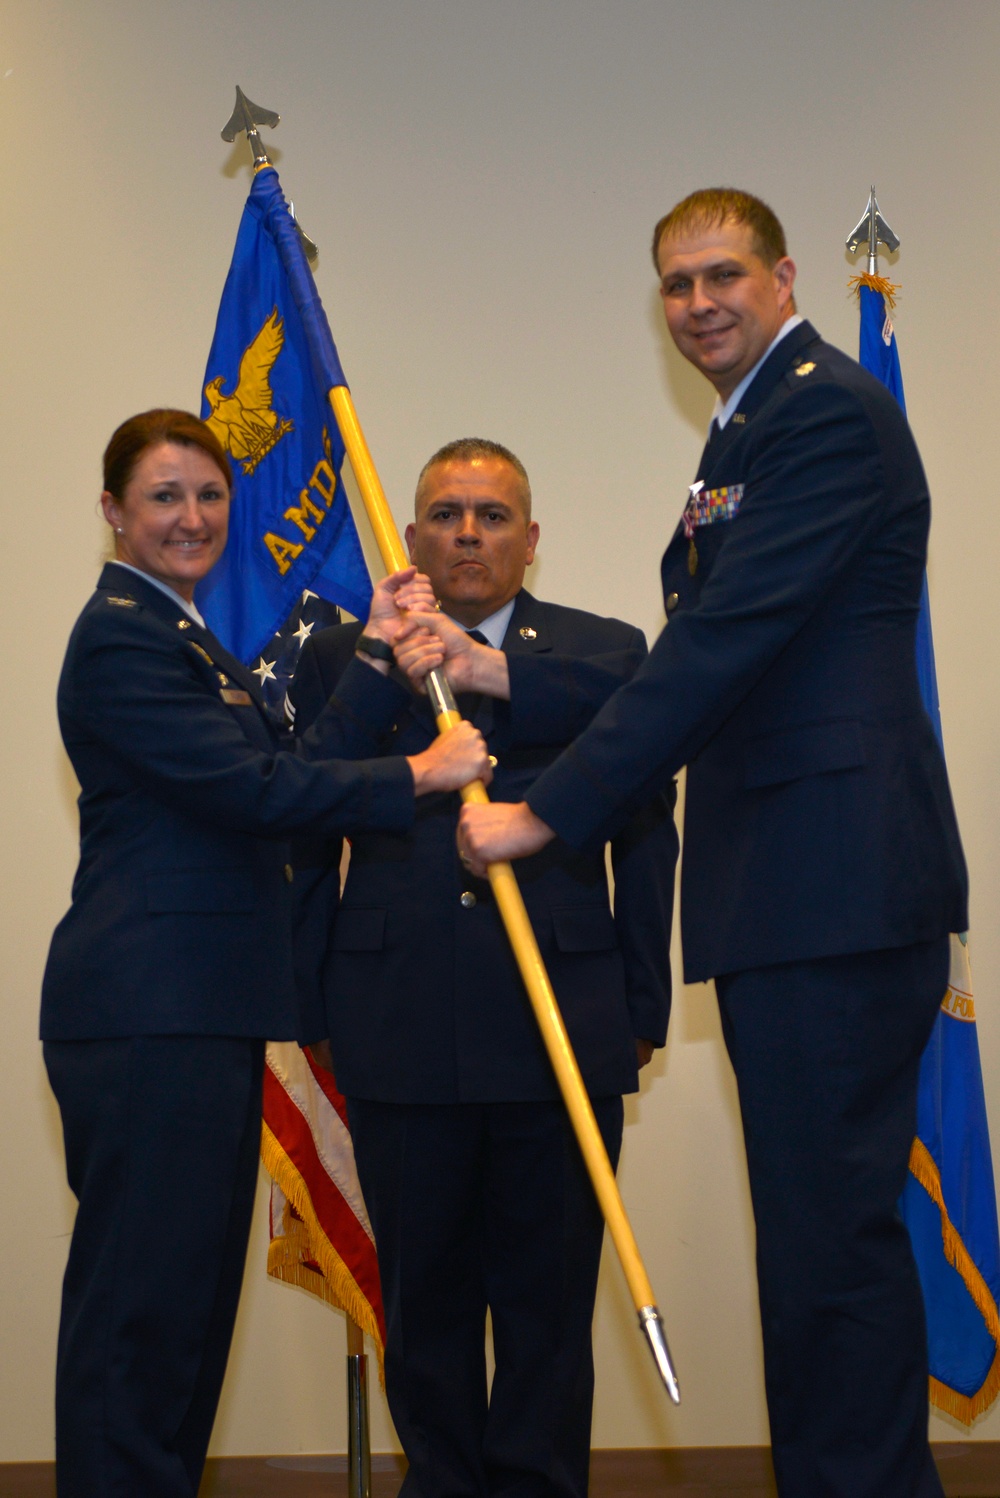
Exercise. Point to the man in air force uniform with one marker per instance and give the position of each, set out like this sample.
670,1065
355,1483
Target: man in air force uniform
822,865
473,1179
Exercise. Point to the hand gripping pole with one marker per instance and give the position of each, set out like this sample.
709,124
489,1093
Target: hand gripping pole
522,939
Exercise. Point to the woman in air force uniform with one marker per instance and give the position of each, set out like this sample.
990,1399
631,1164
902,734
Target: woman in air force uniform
174,961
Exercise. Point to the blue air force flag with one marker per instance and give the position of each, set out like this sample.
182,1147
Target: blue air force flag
271,365
949,1202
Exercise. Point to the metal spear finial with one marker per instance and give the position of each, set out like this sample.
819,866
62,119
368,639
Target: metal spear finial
246,117
872,227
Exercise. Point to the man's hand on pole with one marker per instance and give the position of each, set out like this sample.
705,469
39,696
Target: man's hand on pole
498,833
429,640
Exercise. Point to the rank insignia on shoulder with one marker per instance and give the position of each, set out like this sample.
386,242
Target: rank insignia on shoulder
804,369
527,633
184,624
201,651
236,697
122,603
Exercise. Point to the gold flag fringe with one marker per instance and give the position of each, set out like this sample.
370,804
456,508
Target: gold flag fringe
963,1407
307,1240
881,284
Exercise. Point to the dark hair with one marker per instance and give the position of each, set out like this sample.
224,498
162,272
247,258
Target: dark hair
711,206
150,429
467,450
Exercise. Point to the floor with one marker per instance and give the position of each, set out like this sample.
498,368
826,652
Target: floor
968,1470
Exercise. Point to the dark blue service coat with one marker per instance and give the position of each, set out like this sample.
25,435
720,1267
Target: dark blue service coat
180,921
818,818
822,872
424,1001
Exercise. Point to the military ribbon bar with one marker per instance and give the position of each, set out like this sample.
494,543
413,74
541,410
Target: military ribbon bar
706,506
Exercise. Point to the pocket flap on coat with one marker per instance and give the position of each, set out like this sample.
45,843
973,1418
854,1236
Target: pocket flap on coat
195,891
585,928
359,930
795,752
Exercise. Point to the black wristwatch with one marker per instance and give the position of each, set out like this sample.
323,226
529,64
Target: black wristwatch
377,649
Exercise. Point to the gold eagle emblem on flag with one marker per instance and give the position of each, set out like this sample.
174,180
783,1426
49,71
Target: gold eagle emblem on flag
245,421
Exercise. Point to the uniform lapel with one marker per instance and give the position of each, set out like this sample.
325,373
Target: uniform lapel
764,382
528,631
128,584
773,371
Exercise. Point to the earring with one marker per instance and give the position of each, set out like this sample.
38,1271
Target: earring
119,530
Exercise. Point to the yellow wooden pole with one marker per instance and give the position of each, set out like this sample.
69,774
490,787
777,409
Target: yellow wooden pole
522,938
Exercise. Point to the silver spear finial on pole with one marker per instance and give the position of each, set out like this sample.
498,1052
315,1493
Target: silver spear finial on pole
872,227
244,120
246,117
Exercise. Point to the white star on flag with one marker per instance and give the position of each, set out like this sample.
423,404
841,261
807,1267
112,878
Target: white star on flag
303,632
265,670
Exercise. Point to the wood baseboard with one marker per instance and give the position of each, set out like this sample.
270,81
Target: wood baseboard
969,1469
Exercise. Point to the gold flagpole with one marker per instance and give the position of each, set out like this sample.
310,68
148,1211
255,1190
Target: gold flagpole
522,938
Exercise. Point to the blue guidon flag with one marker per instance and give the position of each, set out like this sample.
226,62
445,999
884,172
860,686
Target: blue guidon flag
293,556
949,1202
265,396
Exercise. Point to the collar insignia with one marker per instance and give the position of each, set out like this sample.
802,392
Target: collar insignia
804,369
184,624
527,633
738,419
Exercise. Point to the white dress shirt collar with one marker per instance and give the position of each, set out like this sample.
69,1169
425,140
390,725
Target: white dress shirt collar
495,627
181,603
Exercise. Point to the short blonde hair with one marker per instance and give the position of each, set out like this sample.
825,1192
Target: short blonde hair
711,206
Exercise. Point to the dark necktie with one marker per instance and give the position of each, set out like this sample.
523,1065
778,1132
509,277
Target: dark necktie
711,447
468,702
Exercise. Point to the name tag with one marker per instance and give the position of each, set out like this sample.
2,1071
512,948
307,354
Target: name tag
236,697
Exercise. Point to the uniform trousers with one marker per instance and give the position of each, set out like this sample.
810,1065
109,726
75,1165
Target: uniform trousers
477,1205
826,1055
162,1135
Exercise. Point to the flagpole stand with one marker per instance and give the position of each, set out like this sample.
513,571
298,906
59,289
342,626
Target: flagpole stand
359,1453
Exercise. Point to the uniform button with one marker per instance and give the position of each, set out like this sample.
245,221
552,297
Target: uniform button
672,601
289,872
467,899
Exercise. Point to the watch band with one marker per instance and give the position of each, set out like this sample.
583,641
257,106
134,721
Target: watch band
377,649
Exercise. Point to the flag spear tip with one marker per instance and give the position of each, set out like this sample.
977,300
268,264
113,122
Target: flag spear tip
244,120
651,1323
872,229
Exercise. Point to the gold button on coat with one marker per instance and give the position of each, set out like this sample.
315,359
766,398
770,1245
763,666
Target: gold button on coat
467,899
289,872
672,601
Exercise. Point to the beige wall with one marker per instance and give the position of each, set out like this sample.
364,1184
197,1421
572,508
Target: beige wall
482,179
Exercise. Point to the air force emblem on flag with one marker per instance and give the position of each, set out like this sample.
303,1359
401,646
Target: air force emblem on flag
266,384
245,421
